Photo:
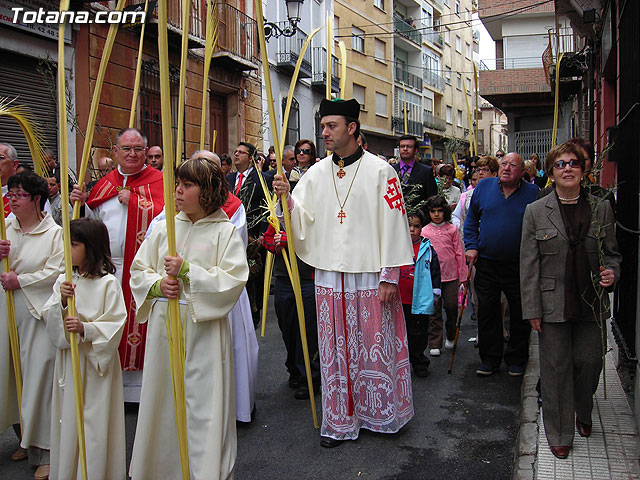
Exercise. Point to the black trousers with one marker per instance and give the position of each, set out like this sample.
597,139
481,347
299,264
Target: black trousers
285,306
492,278
417,336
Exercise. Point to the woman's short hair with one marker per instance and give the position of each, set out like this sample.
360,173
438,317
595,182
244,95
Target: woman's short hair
95,237
209,177
489,161
225,159
438,201
556,152
301,142
30,183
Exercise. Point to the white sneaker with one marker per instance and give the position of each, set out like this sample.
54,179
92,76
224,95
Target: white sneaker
434,352
448,344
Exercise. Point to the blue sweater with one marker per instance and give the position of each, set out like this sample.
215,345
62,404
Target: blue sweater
493,225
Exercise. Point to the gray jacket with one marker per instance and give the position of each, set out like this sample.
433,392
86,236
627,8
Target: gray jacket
543,255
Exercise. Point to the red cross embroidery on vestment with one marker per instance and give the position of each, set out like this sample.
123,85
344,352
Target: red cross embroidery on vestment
394,195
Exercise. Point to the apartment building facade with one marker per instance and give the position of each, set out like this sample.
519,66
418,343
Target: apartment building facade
234,86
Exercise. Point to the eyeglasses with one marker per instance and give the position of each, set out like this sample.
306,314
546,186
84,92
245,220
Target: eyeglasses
3,157
11,195
238,152
306,151
561,164
499,155
136,150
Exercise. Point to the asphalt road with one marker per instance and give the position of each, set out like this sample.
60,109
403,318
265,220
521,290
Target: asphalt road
464,427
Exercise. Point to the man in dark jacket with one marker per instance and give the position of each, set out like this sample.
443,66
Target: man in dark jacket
412,172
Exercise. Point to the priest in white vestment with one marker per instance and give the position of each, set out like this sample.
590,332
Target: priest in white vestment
349,222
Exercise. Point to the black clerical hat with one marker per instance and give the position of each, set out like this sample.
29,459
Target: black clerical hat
347,108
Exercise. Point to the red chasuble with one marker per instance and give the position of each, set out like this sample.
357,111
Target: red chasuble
7,207
231,206
146,201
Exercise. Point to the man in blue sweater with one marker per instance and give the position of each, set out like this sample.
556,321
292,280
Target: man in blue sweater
492,231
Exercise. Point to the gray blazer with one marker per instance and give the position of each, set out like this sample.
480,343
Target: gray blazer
543,255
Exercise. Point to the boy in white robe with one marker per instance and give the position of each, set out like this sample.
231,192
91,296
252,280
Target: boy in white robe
212,270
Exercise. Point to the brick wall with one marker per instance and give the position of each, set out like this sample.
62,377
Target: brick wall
487,8
513,81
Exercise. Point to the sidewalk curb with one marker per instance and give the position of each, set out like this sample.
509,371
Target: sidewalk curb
527,439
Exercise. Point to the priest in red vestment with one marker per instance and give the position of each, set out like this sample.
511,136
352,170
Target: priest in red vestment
126,200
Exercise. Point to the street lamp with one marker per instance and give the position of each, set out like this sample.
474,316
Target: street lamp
293,14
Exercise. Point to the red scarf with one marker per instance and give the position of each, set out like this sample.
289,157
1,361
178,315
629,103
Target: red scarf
231,206
146,201
7,207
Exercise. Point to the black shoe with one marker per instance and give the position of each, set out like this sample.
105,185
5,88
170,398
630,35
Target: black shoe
328,442
295,381
302,393
421,370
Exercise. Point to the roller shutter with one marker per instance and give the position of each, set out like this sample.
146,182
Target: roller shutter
19,77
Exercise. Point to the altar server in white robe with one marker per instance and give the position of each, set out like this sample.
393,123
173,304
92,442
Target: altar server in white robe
100,319
35,251
243,333
349,222
212,270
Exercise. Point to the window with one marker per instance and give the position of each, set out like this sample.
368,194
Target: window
467,14
459,117
458,81
447,35
428,105
468,85
293,125
458,44
380,50
357,39
458,7
359,95
381,104
447,75
467,52
336,27
449,114
480,137
379,4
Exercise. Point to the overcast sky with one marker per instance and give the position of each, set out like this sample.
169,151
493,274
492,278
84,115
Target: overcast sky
487,45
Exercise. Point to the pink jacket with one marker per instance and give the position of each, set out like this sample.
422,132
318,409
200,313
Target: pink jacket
446,240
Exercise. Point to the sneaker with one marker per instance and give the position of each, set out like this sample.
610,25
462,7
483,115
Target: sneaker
448,344
434,352
516,370
486,370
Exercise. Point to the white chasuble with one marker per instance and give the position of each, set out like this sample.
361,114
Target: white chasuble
217,274
364,356
100,306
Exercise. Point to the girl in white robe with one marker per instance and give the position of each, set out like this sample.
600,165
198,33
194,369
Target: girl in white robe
35,251
212,270
101,315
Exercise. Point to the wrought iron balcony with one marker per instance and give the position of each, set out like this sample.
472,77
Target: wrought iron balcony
237,46
319,68
407,30
413,127
289,52
409,79
431,121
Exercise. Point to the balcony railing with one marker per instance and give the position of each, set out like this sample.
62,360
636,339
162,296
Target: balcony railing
435,37
409,79
197,17
237,35
407,30
433,79
319,69
413,127
289,52
431,121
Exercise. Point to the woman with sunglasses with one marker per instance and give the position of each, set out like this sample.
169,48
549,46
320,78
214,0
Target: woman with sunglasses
35,250
571,256
305,152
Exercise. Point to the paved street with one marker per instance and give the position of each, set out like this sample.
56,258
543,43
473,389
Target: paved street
464,428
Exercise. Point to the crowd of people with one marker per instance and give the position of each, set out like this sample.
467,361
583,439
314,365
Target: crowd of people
383,249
